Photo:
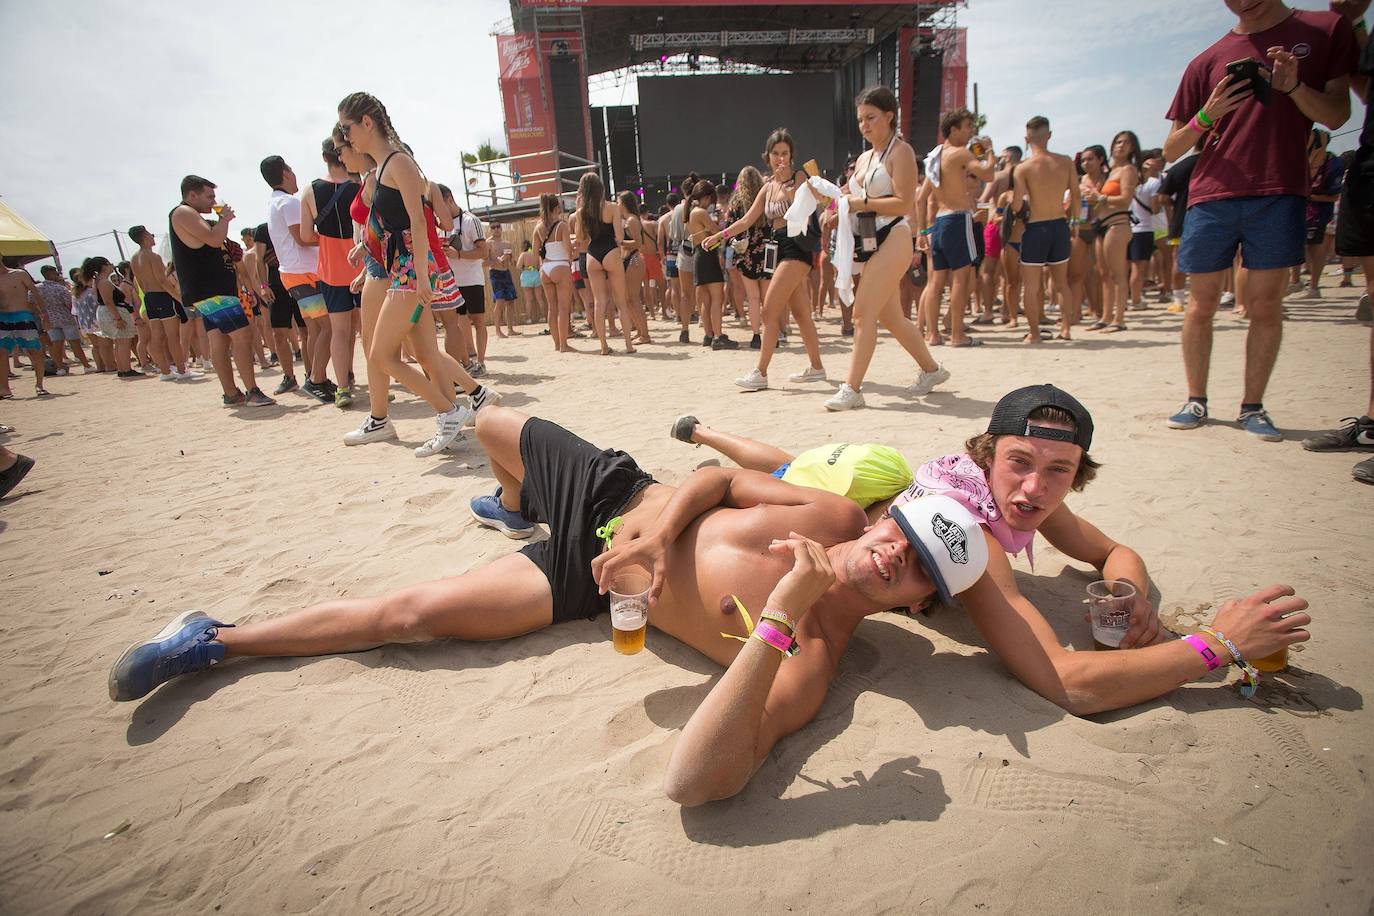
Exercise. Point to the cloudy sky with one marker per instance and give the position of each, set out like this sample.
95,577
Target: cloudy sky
107,106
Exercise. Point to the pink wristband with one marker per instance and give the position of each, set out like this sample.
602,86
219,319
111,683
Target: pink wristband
775,638
1196,125
1200,644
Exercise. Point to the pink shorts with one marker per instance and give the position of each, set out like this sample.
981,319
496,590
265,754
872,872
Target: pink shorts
992,239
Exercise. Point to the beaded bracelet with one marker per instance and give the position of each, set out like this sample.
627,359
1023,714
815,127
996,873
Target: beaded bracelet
1249,678
781,617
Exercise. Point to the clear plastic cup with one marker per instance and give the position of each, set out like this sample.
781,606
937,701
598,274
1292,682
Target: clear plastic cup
1109,602
630,609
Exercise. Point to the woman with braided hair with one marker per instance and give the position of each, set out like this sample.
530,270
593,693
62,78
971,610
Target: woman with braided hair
398,205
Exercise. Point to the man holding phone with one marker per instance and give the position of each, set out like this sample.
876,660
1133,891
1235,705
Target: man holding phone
1251,98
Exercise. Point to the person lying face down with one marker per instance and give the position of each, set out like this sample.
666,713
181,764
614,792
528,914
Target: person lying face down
1015,477
808,558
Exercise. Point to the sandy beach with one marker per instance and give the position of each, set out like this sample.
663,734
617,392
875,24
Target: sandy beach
525,776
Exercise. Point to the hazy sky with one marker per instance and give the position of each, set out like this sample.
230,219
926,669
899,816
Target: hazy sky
107,106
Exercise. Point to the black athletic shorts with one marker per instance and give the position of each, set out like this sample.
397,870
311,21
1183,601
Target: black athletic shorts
284,309
474,300
574,488
1141,247
1355,225
159,305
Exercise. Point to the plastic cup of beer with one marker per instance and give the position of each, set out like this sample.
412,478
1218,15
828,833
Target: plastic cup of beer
1272,663
1109,602
218,208
630,609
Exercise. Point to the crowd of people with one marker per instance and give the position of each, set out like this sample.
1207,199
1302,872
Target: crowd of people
930,247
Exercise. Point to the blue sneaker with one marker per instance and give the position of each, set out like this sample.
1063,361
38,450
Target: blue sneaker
489,511
1189,416
1258,424
184,645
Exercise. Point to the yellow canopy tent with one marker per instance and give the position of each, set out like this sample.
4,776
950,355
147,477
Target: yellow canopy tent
20,242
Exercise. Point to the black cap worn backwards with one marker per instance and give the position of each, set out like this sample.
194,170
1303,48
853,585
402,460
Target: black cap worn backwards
1011,416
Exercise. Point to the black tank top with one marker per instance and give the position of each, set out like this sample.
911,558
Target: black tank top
202,272
388,205
334,222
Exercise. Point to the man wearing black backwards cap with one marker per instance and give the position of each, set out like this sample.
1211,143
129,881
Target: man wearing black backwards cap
1014,478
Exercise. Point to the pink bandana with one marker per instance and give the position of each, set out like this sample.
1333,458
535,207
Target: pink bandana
961,479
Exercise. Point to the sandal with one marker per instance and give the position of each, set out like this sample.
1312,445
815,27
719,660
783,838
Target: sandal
1062,337
972,342
1113,328
1097,326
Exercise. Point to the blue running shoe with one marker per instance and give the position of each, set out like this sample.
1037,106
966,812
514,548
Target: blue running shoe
1258,424
184,645
489,511
1189,416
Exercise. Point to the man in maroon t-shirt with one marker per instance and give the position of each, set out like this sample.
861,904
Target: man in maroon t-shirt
1249,189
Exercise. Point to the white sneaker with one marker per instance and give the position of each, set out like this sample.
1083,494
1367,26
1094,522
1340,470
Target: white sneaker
1228,298
370,431
926,382
845,399
184,374
1138,306
447,428
167,377
812,374
754,381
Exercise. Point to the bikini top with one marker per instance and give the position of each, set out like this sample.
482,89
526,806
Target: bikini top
775,205
358,209
1112,188
878,183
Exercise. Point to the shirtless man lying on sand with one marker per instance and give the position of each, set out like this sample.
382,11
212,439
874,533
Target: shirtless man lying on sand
723,533
1014,477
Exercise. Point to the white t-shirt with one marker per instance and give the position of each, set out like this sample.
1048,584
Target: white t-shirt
284,211
467,232
1145,191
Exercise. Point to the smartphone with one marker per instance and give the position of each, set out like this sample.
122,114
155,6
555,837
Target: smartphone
770,257
1248,71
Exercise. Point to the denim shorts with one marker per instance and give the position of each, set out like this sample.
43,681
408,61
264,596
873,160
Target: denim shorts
1269,231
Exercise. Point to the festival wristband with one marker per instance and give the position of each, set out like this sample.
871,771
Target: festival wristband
776,638
1200,644
1196,125
779,617
927,231
1249,676
1202,118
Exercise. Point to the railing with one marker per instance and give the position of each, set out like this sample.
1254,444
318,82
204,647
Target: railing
497,182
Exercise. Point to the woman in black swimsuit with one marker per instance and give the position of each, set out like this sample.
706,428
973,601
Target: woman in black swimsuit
634,247
787,287
598,227
1112,221
707,273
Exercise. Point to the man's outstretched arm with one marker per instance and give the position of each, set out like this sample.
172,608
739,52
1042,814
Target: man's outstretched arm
762,696
1087,682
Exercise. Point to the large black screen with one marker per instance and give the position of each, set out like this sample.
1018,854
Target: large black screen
718,123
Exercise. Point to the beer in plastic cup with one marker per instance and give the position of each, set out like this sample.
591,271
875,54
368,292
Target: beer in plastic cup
1273,662
218,208
1109,602
630,609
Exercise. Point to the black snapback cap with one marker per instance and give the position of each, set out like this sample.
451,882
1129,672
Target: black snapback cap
1011,416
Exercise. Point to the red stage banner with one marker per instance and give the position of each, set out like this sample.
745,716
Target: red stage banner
528,127
954,88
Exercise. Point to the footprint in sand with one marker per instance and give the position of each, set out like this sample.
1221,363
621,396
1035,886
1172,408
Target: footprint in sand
1021,789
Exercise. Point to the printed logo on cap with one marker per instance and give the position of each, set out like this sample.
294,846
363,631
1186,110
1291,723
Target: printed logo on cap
953,537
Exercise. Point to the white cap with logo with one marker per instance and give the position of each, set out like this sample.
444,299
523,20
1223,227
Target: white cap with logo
948,539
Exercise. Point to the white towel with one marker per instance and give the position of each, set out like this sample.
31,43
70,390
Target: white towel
803,205
933,159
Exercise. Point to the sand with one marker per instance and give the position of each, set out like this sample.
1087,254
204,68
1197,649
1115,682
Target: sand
525,775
